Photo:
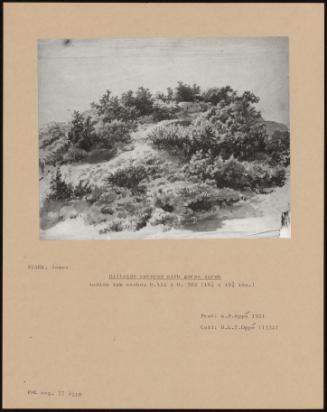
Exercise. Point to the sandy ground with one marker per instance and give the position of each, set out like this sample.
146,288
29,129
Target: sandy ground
261,219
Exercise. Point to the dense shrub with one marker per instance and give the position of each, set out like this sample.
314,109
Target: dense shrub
128,107
235,174
84,142
115,133
278,148
143,217
263,176
187,202
130,223
122,208
186,93
164,111
228,144
231,173
227,197
194,202
154,166
51,133
139,173
82,189
166,200
160,217
116,225
187,140
171,205
199,196
110,108
216,95
229,129
82,133
172,138
143,101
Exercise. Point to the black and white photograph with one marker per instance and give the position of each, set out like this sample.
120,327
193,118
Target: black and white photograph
164,138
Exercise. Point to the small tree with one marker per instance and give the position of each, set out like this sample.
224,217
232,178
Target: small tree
77,127
112,108
82,189
103,104
59,189
88,137
170,94
82,134
216,95
186,93
128,99
115,133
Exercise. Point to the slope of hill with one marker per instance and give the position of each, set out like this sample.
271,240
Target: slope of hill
114,174
271,127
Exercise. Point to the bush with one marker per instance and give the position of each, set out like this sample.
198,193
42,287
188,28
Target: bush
231,173
110,108
53,143
215,95
232,128
227,197
114,226
74,154
128,107
186,203
278,148
200,166
122,210
164,111
114,134
166,200
235,174
96,194
187,140
82,189
118,203
143,101
263,176
143,217
51,133
186,93
154,165
160,217
130,177
82,133
172,138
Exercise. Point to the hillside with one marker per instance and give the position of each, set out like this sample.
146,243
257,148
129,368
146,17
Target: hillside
165,172
271,127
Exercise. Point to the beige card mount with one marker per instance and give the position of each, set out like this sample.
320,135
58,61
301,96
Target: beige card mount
163,206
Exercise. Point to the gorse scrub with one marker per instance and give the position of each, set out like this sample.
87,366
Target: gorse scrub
169,159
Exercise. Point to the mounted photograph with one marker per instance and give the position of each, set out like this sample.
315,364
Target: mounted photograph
164,138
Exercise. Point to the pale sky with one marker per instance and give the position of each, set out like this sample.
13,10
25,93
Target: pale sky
72,76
